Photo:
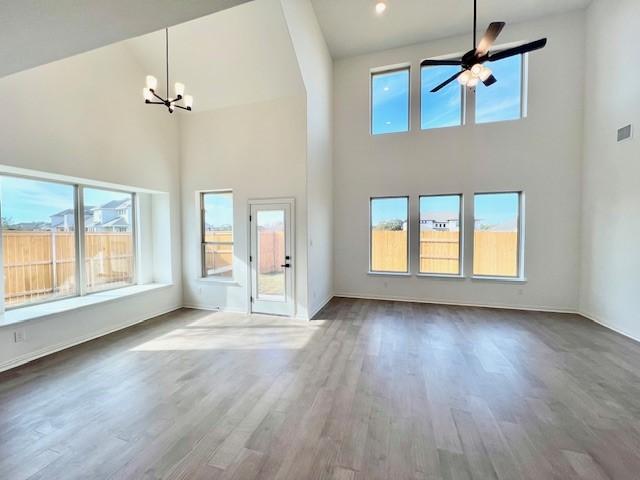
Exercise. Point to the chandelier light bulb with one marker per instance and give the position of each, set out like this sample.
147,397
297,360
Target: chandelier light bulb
146,93
380,7
473,81
179,89
485,73
152,82
476,70
464,78
188,101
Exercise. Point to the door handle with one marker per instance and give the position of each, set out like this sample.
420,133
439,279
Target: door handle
286,265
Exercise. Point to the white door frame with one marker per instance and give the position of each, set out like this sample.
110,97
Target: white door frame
292,213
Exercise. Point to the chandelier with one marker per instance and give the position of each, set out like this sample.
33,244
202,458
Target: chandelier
151,96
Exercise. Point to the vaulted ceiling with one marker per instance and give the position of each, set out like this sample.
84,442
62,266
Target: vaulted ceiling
351,27
35,32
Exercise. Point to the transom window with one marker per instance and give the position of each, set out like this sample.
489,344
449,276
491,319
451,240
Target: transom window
445,107
217,234
503,100
390,101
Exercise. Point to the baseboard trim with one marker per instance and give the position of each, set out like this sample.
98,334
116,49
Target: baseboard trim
321,306
43,352
458,304
600,322
209,308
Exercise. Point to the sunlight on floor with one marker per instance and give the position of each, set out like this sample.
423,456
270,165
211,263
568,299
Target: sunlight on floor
231,331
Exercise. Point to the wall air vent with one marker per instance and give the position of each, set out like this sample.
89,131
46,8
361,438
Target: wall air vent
625,133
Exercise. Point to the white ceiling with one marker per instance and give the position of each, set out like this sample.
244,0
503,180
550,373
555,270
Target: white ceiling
351,27
35,32
239,56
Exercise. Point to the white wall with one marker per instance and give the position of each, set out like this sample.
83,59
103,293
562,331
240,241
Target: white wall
316,68
78,117
258,151
611,224
540,155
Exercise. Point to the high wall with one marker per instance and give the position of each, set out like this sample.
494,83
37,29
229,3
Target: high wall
610,220
74,118
316,68
540,155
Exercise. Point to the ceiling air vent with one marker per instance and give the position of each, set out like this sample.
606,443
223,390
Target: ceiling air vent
624,133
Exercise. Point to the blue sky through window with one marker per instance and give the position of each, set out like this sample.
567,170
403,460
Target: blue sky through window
502,100
443,108
497,211
386,209
390,102
25,200
218,210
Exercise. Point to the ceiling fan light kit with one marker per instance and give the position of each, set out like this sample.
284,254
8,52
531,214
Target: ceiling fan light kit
152,97
472,63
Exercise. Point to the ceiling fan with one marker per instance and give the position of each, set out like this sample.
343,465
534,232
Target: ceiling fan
472,62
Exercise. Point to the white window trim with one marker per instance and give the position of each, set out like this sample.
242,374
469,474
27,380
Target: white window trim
381,71
520,276
461,237
203,277
408,273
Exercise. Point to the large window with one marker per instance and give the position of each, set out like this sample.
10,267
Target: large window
38,240
389,231
443,108
217,234
440,234
390,101
108,239
503,100
41,225
497,234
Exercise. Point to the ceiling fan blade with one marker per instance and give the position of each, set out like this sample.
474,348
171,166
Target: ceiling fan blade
447,82
519,50
433,63
489,38
490,81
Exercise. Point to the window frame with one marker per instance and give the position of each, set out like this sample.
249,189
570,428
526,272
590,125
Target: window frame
80,269
520,276
371,271
460,236
524,83
463,105
203,243
384,71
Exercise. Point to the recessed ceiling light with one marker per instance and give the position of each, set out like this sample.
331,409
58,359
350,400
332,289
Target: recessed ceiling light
380,7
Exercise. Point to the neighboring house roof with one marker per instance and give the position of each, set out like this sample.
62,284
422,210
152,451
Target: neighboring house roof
69,211
116,222
114,204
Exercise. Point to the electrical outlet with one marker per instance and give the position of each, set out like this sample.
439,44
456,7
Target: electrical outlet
19,336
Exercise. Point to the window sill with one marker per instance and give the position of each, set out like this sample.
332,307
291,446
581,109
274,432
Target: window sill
440,275
19,315
219,281
500,279
390,274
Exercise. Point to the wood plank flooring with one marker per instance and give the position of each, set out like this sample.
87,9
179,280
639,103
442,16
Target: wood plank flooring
371,390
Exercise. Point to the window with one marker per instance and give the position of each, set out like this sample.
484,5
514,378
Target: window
42,261
440,234
443,108
389,231
502,100
217,234
108,239
38,239
390,101
497,235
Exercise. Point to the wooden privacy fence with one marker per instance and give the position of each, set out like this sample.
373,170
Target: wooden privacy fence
495,253
219,257
41,264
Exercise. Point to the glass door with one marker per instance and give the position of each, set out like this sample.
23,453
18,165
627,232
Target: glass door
271,258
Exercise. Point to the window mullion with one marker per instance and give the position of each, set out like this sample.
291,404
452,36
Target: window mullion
80,246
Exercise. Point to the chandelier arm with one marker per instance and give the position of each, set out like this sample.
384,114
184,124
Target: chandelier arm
158,96
182,108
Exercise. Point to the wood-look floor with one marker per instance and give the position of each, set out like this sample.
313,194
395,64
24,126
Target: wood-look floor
372,390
